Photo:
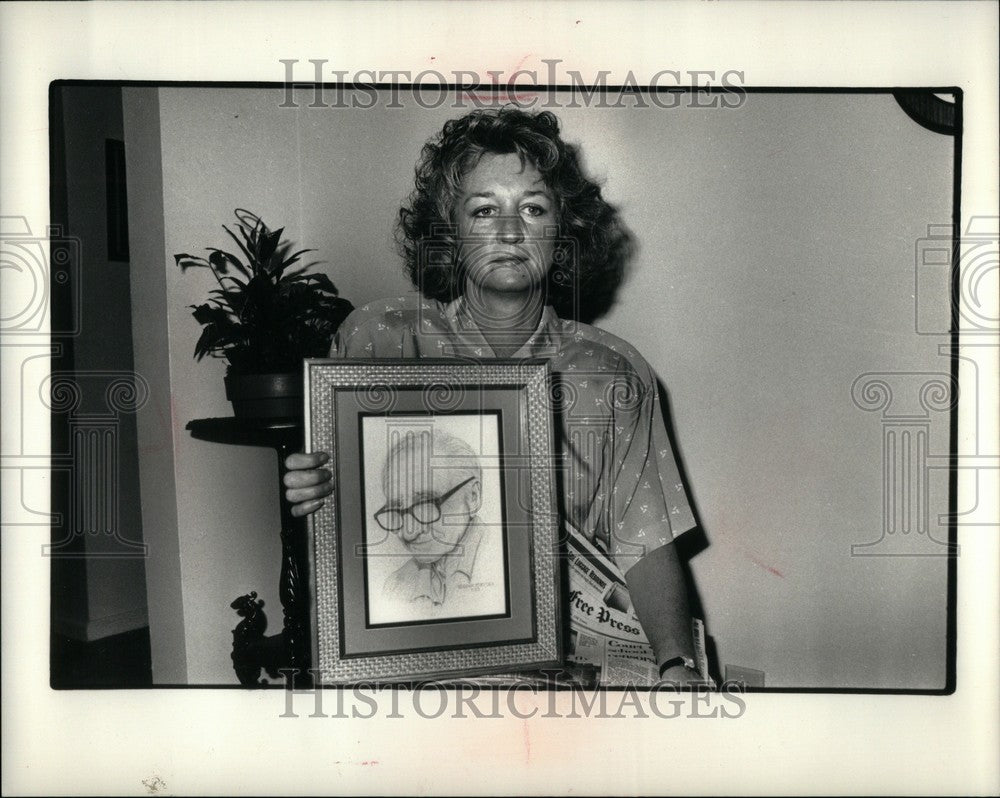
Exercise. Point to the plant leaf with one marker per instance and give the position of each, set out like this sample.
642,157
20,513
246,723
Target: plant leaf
237,284
210,339
249,220
265,315
322,282
210,314
243,248
219,261
234,299
186,261
290,259
268,245
252,227
220,258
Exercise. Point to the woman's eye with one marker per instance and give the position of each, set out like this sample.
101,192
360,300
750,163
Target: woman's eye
486,210
534,210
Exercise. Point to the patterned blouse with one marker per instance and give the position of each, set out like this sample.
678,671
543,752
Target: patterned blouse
620,485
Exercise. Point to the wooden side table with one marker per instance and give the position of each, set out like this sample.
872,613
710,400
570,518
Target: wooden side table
252,651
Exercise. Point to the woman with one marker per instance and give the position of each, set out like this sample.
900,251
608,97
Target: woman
508,243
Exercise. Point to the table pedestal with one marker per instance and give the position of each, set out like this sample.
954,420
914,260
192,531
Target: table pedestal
254,652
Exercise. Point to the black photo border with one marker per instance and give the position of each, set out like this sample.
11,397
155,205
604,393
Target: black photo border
914,99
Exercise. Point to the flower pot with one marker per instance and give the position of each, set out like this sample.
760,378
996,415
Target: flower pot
265,395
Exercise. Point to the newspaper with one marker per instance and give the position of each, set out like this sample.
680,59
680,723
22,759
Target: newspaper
606,643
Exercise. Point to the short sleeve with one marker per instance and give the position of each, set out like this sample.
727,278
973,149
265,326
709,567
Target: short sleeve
349,327
354,337
649,504
386,328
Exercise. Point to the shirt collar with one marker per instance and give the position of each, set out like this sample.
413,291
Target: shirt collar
542,342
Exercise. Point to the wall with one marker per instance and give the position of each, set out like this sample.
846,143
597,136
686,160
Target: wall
100,590
157,433
775,266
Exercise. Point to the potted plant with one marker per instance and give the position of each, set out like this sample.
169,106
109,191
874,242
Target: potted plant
264,317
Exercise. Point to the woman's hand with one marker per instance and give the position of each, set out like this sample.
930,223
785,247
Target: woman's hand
306,482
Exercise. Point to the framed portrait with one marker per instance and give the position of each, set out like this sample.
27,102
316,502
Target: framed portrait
437,554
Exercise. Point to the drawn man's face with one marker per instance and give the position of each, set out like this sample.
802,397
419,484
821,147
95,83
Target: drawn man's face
433,507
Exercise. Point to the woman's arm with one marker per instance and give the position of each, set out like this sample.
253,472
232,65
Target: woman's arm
659,597
650,509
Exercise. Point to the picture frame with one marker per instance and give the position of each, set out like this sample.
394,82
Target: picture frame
436,556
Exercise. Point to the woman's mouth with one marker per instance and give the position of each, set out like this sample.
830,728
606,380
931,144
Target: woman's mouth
511,260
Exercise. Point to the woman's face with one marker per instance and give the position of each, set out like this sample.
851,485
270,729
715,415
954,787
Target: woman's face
507,226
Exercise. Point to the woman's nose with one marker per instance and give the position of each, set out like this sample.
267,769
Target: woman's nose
511,229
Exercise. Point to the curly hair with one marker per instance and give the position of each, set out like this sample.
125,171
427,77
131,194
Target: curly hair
593,245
